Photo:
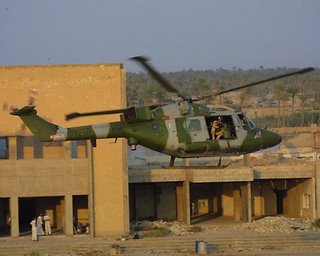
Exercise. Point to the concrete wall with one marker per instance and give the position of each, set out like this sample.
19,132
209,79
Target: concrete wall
300,200
227,200
48,177
153,201
167,201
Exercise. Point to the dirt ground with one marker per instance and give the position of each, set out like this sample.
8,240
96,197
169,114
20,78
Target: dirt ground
267,236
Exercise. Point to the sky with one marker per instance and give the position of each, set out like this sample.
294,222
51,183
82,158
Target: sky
175,34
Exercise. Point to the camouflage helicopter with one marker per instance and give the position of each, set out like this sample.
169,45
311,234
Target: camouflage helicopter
183,129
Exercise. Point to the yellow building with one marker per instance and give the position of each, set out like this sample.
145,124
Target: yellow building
68,180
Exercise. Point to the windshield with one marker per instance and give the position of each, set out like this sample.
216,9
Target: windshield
245,121
251,123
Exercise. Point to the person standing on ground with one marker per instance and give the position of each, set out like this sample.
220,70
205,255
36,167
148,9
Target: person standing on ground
47,224
33,224
39,225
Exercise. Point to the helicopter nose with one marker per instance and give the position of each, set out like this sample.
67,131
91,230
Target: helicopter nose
270,139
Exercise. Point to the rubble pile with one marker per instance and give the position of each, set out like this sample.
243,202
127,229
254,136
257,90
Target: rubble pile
271,158
276,224
175,227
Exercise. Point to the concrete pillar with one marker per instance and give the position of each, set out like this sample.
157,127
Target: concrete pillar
317,185
185,161
236,202
111,189
246,202
249,202
68,215
246,160
314,196
180,203
186,206
91,191
67,149
14,214
12,148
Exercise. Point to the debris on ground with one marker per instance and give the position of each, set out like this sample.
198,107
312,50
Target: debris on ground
175,227
277,224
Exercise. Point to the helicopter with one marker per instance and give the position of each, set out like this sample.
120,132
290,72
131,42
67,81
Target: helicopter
182,129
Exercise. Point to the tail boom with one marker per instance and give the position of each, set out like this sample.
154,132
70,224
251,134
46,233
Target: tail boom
47,132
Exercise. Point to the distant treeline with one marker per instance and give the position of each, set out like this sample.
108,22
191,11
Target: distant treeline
305,89
143,89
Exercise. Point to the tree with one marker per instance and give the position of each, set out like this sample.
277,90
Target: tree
244,95
303,98
293,91
279,90
220,87
201,88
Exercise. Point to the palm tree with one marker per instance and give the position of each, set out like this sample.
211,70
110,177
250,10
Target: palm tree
293,91
278,93
244,95
284,97
303,98
220,87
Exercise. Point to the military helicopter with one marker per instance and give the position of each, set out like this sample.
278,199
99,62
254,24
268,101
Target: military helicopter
183,129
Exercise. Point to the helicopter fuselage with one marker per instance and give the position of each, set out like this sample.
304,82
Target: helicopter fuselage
177,129
186,131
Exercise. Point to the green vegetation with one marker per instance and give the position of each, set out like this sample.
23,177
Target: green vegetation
142,88
298,94
157,232
293,120
195,229
34,254
316,223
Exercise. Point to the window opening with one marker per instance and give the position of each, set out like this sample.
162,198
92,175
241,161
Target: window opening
79,149
194,125
243,121
4,148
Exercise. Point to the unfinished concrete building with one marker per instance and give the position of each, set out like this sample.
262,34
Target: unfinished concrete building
67,180
196,194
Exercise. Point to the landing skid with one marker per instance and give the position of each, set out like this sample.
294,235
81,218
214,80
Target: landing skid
172,161
195,167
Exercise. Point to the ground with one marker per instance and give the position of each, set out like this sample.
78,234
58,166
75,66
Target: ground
267,236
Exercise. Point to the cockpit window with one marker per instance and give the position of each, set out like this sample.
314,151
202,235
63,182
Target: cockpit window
251,123
243,121
193,125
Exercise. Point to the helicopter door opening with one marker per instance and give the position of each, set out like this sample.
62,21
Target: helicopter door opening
196,127
221,127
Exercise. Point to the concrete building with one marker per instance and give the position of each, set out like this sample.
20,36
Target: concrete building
65,179
192,194
72,179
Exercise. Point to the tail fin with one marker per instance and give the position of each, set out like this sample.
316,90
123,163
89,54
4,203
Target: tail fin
42,129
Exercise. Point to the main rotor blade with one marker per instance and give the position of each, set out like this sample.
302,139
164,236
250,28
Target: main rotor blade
298,72
105,112
143,61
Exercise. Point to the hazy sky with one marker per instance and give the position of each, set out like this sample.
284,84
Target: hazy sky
176,34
